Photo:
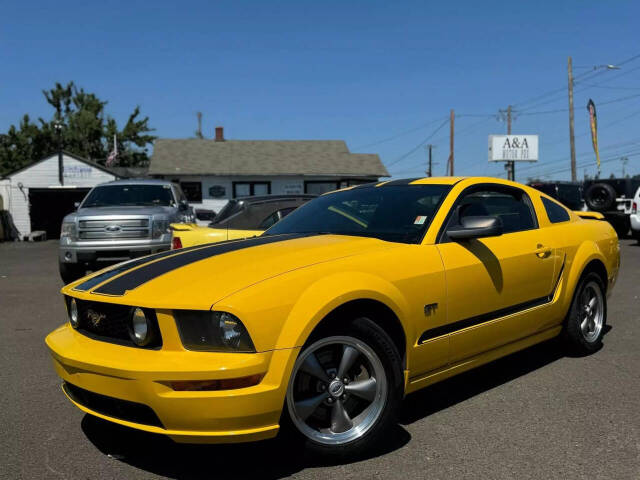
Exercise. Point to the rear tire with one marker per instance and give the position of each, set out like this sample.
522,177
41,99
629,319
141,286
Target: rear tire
344,391
587,318
70,272
600,197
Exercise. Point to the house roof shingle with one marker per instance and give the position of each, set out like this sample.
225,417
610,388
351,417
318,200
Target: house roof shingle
261,157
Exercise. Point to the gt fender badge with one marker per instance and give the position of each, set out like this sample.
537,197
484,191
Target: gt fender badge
430,308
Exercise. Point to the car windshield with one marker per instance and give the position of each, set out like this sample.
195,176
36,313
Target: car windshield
129,195
395,213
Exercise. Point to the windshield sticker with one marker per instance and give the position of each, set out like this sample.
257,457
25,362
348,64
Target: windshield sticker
420,219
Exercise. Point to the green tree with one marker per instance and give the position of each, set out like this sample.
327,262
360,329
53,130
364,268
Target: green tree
87,131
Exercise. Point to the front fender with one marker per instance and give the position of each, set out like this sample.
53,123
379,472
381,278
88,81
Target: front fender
330,292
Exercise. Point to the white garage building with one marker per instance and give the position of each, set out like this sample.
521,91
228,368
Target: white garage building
36,199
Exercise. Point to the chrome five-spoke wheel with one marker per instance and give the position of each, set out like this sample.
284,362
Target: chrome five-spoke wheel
338,390
591,311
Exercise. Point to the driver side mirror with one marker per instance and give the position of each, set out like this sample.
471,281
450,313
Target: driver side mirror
475,227
183,205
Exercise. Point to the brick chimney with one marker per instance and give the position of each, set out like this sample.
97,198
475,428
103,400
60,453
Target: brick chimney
219,134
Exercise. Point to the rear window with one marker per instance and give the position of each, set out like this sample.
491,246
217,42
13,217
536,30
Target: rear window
555,212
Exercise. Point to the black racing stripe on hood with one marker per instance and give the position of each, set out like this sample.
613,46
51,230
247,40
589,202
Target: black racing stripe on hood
137,277
128,265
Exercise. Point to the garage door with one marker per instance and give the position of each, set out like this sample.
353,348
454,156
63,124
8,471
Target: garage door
48,206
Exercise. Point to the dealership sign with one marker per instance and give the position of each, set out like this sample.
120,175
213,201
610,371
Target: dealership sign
509,148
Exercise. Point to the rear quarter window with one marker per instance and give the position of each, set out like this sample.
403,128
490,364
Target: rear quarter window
555,212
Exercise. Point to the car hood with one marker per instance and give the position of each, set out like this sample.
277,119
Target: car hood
123,210
198,277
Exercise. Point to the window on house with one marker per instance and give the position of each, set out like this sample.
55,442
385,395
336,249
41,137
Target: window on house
320,187
250,189
193,191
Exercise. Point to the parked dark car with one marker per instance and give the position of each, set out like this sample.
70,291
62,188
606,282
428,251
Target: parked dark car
257,213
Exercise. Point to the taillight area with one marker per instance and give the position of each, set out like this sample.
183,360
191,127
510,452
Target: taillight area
634,208
176,243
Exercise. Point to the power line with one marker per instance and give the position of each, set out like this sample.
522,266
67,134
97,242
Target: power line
414,149
400,134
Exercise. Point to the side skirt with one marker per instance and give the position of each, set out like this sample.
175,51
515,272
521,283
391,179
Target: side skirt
435,376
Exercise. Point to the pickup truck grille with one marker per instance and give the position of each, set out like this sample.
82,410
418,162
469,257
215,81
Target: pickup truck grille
107,229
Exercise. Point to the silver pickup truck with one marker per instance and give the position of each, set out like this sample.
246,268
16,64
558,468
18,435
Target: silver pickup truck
120,220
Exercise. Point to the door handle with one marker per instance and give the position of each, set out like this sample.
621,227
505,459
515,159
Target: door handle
541,251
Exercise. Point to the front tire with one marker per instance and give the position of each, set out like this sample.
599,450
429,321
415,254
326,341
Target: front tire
344,390
585,323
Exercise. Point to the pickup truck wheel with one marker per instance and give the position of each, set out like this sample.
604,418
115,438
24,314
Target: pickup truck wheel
344,390
600,197
585,323
71,271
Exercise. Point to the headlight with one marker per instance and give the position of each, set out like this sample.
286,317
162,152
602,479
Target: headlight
141,328
160,227
212,331
68,230
74,318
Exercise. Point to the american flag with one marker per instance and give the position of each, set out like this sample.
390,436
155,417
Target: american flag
111,159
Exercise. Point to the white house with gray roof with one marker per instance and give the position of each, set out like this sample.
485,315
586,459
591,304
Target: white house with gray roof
211,171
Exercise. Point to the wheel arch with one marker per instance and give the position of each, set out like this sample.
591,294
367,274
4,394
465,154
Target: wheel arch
376,311
588,258
328,300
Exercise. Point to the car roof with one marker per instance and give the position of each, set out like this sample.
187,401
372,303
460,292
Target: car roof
266,198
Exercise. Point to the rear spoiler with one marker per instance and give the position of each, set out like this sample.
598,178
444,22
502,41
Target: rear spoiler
590,215
181,227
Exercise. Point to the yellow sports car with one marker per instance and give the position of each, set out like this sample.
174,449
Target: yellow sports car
327,320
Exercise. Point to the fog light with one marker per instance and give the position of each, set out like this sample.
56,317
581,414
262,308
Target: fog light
223,384
73,313
140,330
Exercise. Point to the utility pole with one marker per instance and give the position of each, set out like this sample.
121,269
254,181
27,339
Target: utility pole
430,164
451,130
58,128
572,139
512,163
624,161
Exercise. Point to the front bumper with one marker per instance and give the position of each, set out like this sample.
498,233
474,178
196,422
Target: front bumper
140,376
87,252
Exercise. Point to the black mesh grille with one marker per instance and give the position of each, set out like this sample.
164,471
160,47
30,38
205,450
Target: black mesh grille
113,407
110,322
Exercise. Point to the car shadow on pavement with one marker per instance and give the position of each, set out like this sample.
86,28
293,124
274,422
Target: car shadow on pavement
269,459
280,457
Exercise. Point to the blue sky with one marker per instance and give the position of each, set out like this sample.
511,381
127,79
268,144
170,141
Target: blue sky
362,71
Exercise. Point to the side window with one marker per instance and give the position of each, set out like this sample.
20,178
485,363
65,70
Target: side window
180,196
510,205
193,191
270,220
555,212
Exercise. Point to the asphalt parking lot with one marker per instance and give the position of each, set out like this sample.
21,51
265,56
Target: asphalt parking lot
535,414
